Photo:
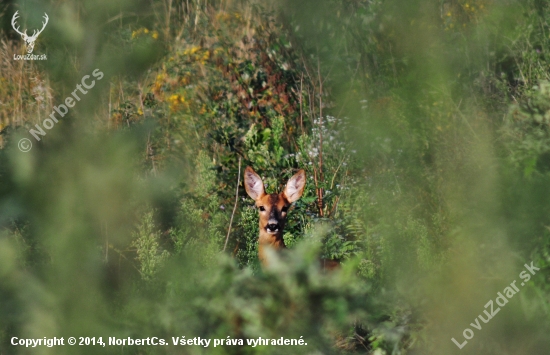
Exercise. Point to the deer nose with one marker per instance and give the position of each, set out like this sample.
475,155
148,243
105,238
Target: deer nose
273,227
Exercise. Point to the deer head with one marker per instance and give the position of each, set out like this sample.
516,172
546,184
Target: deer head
272,208
28,39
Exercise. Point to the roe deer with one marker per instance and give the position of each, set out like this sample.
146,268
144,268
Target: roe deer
273,210
273,207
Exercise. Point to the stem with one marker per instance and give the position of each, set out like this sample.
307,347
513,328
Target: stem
320,121
320,191
301,112
235,206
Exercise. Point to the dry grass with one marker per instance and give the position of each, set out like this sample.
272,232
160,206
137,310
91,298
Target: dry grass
25,92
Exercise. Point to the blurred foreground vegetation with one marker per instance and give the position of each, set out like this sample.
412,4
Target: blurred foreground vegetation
423,127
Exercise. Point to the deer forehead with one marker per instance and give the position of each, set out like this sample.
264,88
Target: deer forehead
273,200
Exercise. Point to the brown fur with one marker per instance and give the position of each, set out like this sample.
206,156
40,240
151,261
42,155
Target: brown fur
273,204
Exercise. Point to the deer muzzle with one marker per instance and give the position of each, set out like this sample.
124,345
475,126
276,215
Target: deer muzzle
272,227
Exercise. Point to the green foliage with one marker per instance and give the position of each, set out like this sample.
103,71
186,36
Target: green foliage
528,132
200,220
394,109
241,87
248,255
146,243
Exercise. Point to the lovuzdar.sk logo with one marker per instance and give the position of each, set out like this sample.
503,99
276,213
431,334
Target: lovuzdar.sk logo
29,40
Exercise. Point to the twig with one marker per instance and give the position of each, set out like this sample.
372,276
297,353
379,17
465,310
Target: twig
169,11
235,206
319,192
321,175
336,200
236,249
336,172
301,113
465,119
362,340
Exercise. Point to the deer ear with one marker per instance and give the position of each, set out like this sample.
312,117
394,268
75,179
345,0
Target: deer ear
253,184
295,186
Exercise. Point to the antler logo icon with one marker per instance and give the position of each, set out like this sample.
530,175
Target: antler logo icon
28,39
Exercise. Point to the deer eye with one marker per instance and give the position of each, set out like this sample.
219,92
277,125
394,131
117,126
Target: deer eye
284,209
262,208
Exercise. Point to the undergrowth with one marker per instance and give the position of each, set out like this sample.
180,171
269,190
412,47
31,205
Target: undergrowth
423,129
